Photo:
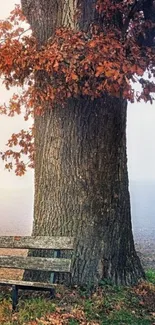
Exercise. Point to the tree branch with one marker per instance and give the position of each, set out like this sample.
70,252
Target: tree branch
148,8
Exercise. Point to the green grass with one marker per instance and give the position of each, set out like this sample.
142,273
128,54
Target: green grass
108,305
150,275
35,309
73,322
124,317
28,310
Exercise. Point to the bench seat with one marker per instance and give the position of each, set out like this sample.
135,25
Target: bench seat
21,283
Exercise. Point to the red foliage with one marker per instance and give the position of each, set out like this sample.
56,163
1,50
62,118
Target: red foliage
75,64
24,140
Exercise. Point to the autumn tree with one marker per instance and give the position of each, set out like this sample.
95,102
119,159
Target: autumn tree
76,71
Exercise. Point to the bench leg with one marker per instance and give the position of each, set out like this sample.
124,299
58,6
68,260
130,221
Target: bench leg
14,297
52,293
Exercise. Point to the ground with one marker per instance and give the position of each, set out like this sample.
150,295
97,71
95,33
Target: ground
145,246
107,305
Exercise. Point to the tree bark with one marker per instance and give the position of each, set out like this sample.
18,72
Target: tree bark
81,179
81,187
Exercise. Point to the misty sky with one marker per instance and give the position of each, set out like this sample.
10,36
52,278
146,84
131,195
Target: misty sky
140,135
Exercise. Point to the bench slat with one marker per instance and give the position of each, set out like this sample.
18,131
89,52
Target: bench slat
36,242
27,283
36,263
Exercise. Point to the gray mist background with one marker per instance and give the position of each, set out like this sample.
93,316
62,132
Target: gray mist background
16,193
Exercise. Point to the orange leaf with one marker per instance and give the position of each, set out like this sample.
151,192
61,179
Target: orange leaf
92,44
56,65
99,70
9,61
74,76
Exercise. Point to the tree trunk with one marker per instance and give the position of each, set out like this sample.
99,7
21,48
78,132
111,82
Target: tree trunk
81,180
81,187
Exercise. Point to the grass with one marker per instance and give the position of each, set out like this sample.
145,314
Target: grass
150,275
108,305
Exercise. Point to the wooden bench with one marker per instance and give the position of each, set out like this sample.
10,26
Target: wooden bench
53,265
